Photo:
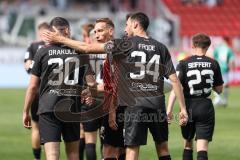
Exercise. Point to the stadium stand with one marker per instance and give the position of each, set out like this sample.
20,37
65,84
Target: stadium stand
219,20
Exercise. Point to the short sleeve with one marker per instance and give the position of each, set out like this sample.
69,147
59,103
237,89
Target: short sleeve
118,46
29,53
218,80
180,71
168,67
37,64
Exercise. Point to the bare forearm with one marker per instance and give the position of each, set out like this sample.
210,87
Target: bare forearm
30,95
95,48
171,101
177,87
179,93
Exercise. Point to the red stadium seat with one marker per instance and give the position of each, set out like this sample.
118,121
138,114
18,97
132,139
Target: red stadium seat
218,20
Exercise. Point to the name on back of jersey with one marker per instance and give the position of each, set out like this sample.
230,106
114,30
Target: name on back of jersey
146,47
199,64
53,52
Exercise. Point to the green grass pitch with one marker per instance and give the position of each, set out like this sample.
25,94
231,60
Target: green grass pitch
15,140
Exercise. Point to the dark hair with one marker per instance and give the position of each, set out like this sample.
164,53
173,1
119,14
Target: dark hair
128,16
108,21
88,27
43,25
142,18
60,23
227,39
201,40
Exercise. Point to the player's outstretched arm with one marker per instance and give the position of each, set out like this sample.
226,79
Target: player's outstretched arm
183,116
93,48
29,97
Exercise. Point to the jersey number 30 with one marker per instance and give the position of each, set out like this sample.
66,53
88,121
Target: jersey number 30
60,73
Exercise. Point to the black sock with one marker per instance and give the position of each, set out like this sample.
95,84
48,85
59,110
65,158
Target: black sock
37,153
187,154
81,148
91,151
202,155
122,157
110,158
168,157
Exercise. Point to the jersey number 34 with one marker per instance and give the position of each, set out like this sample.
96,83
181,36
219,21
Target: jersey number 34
145,67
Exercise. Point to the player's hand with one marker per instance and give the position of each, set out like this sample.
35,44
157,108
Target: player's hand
27,120
183,117
86,97
169,117
51,37
112,120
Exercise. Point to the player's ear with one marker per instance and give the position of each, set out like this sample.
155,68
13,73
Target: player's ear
67,31
135,24
111,31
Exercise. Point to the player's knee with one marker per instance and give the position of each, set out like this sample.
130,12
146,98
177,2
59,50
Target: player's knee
162,149
110,151
188,145
202,155
73,156
90,137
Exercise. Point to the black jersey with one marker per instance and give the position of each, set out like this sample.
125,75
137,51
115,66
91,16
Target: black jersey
97,61
198,74
141,72
62,72
32,50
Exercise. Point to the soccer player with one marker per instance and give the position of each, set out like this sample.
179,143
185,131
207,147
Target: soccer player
199,75
225,57
147,63
28,62
56,71
86,32
143,64
88,130
112,127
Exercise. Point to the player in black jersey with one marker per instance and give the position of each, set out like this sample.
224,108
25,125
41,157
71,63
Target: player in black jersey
146,63
199,75
56,72
143,63
88,130
28,63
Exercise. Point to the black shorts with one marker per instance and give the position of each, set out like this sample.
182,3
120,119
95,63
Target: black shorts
34,109
139,120
92,125
112,137
201,119
51,129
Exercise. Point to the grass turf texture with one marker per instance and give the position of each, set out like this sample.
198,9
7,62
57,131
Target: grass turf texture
15,140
